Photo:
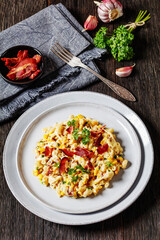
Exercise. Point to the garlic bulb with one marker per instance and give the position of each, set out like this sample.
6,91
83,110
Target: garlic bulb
109,10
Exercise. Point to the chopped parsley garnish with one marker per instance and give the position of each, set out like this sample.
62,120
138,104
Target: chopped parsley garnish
68,183
89,188
63,182
109,164
41,141
58,144
75,133
57,165
72,122
42,155
85,136
74,178
37,168
82,169
71,171
115,156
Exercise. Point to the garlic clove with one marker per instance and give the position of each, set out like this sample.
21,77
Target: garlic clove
90,23
124,71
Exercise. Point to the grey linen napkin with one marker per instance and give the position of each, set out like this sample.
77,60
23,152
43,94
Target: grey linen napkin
42,30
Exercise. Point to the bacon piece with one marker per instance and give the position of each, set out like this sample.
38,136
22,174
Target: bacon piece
98,140
22,55
49,171
95,133
37,58
12,62
70,129
27,64
69,193
82,152
103,148
33,75
67,152
89,165
48,151
62,167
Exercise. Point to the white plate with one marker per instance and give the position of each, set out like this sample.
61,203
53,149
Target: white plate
120,184
41,209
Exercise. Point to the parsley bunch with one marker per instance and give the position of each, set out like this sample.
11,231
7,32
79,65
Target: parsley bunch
119,43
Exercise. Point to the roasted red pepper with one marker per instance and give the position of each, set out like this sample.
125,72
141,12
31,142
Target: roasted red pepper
22,66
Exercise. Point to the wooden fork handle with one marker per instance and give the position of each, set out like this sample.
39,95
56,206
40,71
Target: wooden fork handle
120,91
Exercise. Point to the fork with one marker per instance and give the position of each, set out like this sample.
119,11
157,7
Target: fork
74,61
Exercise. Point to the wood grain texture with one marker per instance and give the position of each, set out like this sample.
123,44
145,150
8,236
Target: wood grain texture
141,221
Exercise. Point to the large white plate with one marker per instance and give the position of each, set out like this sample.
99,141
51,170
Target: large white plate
32,203
120,183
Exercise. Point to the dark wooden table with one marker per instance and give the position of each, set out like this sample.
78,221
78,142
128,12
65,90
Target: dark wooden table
142,219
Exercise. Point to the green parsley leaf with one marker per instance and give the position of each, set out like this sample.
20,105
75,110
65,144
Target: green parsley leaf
74,178
120,44
109,164
85,136
100,40
68,183
85,140
75,133
72,122
89,188
82,169
58,144
63,182
42,155
57,165
71,171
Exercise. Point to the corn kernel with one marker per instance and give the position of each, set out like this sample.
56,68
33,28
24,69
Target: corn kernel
95,123
61,193
110,159
35,172
116,172
120,159
96,171
80,116
99,125
62,146
45,136
94,149
114,162
41,149
40,176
